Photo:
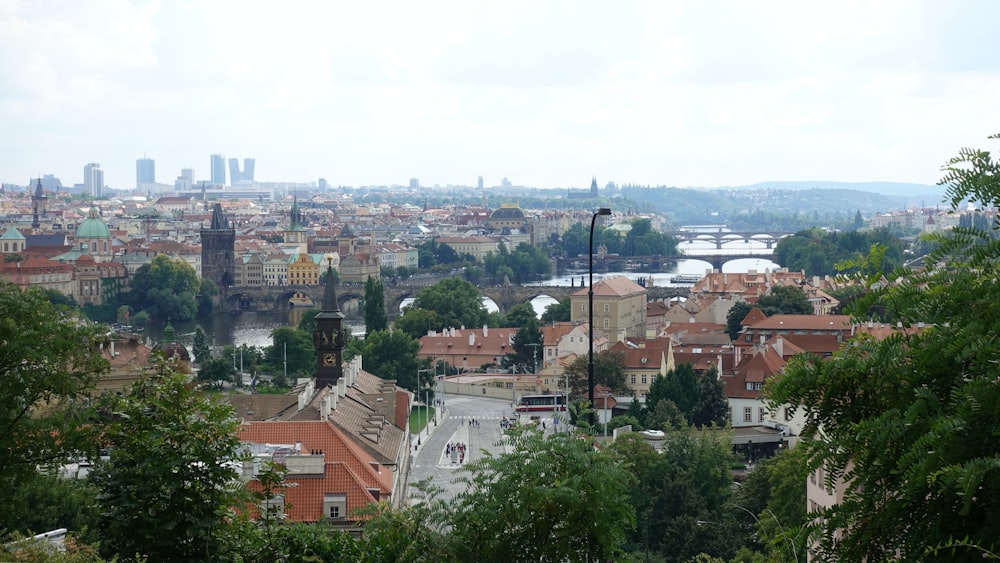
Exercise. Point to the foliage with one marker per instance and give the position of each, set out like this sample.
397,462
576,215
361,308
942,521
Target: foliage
680,385
785,300
526,346
557,312
307,323
454,302
392,355
60,300
295,347
525,263
199,346
907,420
547,498
773,497
49,502
818,251
166,489
216,371
734,318
690,481
375,315
710,407
48,365
609,370
166,288
520,315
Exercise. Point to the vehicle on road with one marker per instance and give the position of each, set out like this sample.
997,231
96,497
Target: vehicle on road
541,403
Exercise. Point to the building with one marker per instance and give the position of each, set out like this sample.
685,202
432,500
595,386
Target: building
477,247
39,203
619,308
145,172
248,169
93,233
12,241
302,270
234,171
218,169
508,217
296,236
185,181
218,243
93,180
468,349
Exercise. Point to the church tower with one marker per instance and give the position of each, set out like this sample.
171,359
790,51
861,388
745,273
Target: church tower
296,235
38,204
593,187
329,337
218,243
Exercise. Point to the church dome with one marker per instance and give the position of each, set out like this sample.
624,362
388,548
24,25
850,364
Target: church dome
93,226
508,213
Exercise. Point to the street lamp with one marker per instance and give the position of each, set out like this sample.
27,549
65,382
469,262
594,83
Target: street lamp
427,412
590,311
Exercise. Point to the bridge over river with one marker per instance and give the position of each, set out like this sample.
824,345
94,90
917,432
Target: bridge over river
350,296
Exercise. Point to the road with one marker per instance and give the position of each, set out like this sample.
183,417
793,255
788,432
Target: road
430,460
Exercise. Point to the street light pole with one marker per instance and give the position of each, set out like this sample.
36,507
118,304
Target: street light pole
590,312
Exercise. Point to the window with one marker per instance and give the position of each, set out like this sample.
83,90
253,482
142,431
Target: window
749,338
747,414
607,323
633,379
730,412
335,505
760,414
273,507
583,307
643,379
607,308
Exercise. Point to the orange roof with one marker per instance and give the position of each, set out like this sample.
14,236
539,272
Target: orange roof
618,286
804,322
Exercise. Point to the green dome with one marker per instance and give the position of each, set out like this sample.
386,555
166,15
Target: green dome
93,227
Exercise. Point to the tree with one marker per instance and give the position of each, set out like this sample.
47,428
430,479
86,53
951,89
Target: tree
609,369
417,322
711,406
785,300
551,498
859,221
199,346
216,371
166,489
166,288
375,315
527,341
679,385
294,347
392,354
455,302
905,420
520,315
734,318
557,312
48,365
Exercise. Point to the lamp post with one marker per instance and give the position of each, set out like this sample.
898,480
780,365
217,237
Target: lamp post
590,311
427,412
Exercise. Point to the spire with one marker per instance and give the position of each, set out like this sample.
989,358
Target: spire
330,304
38,188
168,333
218,219
296,218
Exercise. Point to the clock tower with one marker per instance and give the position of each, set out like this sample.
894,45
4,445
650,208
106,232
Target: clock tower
329,336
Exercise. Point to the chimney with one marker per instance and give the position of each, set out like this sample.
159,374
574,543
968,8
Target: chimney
486,331
472,339
779,346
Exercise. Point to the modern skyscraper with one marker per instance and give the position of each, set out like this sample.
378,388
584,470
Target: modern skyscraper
414,183
186,180
248,166
218,170
234,171
93,180
145,172
479,184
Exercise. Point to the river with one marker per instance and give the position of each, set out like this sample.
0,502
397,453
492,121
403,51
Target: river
254,327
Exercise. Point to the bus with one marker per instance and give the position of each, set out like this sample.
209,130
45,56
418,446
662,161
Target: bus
541,403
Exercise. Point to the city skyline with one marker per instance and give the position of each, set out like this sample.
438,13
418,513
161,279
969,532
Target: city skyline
547,95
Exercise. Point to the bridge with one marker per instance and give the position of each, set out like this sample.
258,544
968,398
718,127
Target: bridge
721,237
616,263
351,296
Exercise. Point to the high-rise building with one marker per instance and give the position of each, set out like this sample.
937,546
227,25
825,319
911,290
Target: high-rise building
248,166
145,172
234,171
93,180
479,184
414,183
218,170
185,181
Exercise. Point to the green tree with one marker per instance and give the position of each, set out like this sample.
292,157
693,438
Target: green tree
307,323
859,221
49,501
547,498
711,406
680,385
48,364
520,315
294,347
785,300
392,355
168,486
526,346
557,312
905,420
775,493
417,322
216,371
734,318
455,302
609,369
375,315
199,346
166,288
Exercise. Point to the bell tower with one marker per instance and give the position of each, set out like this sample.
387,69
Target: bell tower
329,337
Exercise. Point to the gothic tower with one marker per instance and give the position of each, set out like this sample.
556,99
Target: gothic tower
38,202
593,187
296,234
218,243
329,336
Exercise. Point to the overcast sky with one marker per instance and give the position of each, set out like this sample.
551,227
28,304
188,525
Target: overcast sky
546,93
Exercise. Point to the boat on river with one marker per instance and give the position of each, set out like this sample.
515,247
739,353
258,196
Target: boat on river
686,278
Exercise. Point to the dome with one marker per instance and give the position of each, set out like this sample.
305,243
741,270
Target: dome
93,226
508,213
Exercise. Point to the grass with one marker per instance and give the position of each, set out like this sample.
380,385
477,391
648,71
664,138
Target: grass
417,420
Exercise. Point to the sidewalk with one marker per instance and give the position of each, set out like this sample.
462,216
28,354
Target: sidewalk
425,434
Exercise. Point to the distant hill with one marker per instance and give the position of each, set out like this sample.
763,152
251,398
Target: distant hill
901,189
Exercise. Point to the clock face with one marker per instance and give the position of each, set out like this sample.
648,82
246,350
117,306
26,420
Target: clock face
329,359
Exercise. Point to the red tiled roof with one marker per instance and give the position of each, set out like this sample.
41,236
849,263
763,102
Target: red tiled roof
618,286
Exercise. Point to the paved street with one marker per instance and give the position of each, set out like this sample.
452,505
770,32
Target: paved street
430,460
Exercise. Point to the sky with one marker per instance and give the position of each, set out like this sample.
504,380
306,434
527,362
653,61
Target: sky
544,93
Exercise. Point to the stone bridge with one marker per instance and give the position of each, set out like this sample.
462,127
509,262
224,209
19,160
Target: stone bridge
721,237
616,263
351,296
